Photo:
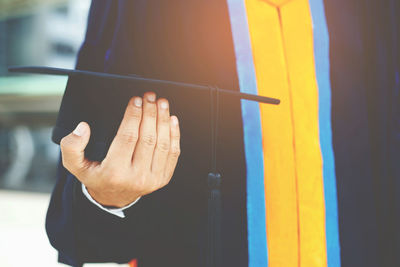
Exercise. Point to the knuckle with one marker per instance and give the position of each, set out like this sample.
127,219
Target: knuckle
164,119
129,138
65,144
176,135
175,152
163,145
149,139
151,112
68,146
134,112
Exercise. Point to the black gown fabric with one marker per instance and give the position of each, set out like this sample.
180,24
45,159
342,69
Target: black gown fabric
365,61
187,41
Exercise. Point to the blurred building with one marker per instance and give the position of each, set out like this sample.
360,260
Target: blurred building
33,32
41,32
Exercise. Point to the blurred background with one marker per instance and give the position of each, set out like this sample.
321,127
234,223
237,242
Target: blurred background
32,32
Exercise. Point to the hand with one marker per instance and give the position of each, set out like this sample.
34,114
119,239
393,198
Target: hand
141,159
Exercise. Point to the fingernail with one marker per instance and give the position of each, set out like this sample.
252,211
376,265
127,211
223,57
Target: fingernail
138,101
80,129
174,120
164,105
151,97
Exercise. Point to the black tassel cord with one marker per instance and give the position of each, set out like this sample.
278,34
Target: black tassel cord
214,257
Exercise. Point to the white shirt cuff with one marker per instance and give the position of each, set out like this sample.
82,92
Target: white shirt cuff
117,211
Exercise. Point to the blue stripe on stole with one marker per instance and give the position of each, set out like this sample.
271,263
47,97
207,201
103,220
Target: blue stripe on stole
256,222
322,66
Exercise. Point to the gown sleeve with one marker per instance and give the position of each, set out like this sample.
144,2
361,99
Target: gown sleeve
81,232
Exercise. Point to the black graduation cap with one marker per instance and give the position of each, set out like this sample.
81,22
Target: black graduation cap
148,84
137,79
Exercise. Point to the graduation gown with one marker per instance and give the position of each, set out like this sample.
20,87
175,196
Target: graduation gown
357,70
187,41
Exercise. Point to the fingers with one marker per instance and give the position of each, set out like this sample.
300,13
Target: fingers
73,150
163,138
147,134
175,149
124,143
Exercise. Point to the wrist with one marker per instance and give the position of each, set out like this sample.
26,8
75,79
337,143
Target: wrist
111,201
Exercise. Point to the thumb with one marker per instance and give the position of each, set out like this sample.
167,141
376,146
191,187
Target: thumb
73,150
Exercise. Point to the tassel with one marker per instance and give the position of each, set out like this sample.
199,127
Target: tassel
214,221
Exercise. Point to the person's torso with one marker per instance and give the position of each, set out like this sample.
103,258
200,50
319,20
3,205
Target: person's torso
188,41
